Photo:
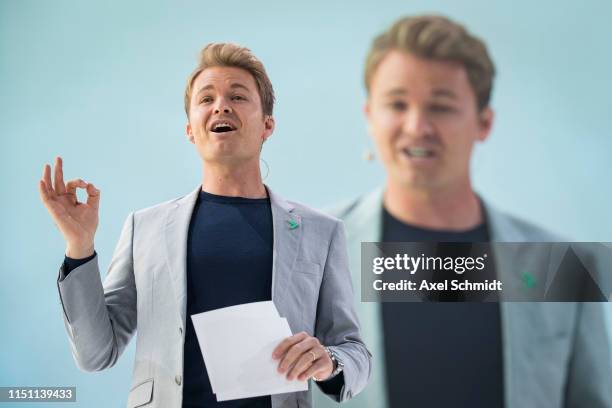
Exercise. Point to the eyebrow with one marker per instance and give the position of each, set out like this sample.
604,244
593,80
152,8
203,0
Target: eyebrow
397,92
235,85
440,92
239,86
445,93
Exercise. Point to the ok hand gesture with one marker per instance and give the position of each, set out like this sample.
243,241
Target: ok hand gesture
76,221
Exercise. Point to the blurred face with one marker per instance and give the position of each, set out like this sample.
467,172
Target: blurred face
423,117
226,121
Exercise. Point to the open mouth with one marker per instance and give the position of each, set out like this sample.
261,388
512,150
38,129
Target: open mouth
222,127
419,152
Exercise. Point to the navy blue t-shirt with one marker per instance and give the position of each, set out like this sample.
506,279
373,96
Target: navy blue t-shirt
229,262
446,354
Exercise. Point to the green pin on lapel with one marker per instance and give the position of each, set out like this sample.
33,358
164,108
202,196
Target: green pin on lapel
292,224
529,280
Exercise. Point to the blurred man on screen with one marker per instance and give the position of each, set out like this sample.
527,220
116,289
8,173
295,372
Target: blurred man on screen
428,84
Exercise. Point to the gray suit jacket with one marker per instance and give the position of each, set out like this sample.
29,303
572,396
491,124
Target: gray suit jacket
145,291
554,354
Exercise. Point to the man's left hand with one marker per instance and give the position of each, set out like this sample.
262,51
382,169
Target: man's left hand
302,357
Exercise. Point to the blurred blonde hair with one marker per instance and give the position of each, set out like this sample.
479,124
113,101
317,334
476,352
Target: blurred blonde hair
437,38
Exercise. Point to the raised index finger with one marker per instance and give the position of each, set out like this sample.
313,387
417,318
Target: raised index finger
60,188
286,344
47,180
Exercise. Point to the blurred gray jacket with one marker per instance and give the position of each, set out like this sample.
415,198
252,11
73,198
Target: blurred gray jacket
554,354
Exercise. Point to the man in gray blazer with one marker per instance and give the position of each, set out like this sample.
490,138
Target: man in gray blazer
428,82
230,241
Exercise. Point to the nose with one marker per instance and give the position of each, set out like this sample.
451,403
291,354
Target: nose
417,124
222,106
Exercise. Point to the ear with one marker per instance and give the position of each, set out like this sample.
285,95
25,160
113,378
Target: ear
189,133
485,118
367,111
269,125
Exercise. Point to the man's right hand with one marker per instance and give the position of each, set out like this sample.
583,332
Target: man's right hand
76,221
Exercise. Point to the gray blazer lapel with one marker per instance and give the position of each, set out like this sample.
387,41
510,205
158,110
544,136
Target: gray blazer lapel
521,321
177,227
365,218
287,227
509,262
502,230
287,237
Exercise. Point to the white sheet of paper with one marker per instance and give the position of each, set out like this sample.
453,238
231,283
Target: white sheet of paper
264,309
237,344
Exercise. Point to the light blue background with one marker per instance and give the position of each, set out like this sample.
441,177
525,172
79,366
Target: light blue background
101,83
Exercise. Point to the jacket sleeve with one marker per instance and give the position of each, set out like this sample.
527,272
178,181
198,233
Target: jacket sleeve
590,371
101,319
337,325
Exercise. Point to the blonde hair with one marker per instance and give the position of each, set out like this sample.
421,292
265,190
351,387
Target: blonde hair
437,38
232,55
